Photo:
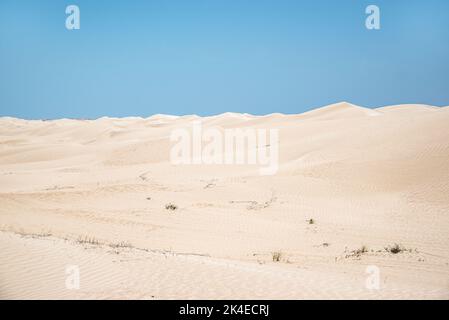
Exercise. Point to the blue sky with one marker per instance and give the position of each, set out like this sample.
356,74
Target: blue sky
212,56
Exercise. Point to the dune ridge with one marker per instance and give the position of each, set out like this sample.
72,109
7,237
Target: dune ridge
324,110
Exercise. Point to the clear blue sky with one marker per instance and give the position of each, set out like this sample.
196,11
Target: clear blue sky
212,56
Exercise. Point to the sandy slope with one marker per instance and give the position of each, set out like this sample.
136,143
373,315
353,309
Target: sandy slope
372,177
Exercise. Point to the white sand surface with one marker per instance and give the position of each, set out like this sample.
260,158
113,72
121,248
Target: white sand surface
367,177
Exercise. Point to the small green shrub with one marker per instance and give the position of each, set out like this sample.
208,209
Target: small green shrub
171,206
395,249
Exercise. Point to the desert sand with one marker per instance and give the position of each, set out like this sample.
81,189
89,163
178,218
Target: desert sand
93,194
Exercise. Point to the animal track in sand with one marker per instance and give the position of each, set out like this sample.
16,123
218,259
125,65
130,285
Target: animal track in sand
56,187
210,184
255,205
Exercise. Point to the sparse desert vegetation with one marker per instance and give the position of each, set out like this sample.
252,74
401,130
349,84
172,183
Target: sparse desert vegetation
171,206
88,240
44,233
358,252
276,256
396,248
121,244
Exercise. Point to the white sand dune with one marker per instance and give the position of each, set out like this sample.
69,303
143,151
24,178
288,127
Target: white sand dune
408,108
343,110
367,177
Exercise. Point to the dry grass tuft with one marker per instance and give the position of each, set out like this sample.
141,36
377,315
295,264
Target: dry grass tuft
276,256
88,240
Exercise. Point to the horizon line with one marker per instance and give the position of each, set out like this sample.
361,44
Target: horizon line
348,104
